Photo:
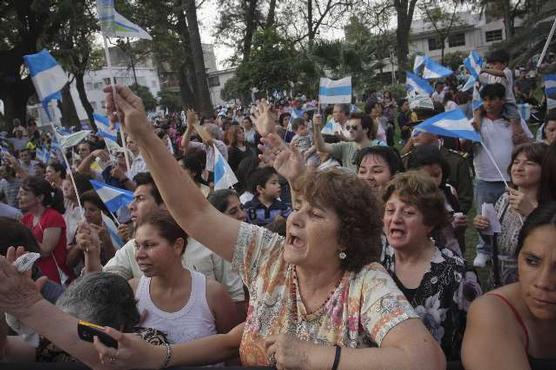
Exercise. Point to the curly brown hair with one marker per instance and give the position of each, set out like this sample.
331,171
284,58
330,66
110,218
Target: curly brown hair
419,190
357,208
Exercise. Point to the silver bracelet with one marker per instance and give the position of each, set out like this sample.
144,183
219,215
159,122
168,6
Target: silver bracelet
168,356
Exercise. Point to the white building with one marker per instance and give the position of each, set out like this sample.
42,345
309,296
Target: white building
216,81
469,32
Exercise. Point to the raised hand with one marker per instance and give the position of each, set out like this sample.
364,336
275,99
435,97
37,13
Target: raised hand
520,203
264,118
126,107
287,161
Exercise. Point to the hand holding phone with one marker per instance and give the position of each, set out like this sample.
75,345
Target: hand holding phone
87,331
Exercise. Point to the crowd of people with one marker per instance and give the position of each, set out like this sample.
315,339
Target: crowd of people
342,245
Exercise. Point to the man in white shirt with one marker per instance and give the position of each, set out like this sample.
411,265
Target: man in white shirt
499,136
138,164
438,94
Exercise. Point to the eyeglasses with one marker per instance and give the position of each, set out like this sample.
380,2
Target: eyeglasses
354,128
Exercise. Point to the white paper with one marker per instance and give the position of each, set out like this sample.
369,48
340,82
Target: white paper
488,212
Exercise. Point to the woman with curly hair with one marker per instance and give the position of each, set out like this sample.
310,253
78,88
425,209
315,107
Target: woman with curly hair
434,280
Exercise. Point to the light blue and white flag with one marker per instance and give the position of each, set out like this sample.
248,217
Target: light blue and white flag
473,63
114,198
419,101
104,128
419,61
42,155
433,69
524,111
417,84
113,24
47,76
335,91
331,127
550,91
112,229
452,124
224,177
469,84
71,140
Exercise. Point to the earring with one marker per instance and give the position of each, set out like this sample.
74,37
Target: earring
342,255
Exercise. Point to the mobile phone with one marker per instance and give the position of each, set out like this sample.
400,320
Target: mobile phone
87,331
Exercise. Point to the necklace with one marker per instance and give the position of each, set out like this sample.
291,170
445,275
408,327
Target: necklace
310,314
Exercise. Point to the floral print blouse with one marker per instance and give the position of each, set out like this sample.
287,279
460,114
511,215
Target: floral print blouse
359,313
442,298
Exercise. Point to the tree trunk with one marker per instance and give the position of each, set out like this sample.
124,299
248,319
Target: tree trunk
271,14
508,21
80,86
251,26
202,92
185,89
404,12
311,32
69,114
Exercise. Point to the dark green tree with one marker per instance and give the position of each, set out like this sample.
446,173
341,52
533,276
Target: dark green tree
145,94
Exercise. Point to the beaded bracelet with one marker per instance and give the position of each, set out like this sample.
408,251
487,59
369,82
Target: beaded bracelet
168,356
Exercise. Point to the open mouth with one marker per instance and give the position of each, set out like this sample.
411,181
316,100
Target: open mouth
396,232
295,241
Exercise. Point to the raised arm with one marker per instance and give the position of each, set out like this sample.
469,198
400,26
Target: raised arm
317,135
182,197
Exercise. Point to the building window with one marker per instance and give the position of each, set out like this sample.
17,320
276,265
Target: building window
106,81
495,35
103,104
89,86
435,44
213,81
98,86
457,39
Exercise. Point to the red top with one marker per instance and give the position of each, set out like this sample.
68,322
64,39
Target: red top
50,218
517,317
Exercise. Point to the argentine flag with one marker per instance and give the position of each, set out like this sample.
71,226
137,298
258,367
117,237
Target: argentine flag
47,76
469,84
224,177
113,24
419,61
433,69
117,241
473,63
550,90
417,84
330,128
335,91
103,126
524,111
42,155
114,198
452,124
71,140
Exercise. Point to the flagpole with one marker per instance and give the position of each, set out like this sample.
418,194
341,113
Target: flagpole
489,154
547,43
70,173
113,83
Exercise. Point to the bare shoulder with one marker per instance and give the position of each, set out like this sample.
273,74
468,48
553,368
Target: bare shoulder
215,291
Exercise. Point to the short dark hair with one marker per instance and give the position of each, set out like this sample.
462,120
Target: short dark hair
357,210
13,232
260,177
344,108
390,156
219,199
92,197
498,56
550,116
145,178
195,166
544,214
298,122
82,182
425,155
493,91
103,298
57,167
167,227
548,175
366,123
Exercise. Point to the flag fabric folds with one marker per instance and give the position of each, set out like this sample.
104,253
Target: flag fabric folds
330,128
71,140
104,129
47,76
112,231
524,111
335,91
417,84
469,84
473,63
224,177
419,61
452,124
550,91
419,101
114,198
113,24
433,69
42,155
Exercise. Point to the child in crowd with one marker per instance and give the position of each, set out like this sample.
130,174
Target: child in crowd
497,71
303,141
266,205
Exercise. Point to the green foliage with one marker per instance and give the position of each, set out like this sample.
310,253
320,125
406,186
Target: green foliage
170,99
454,60
145,94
